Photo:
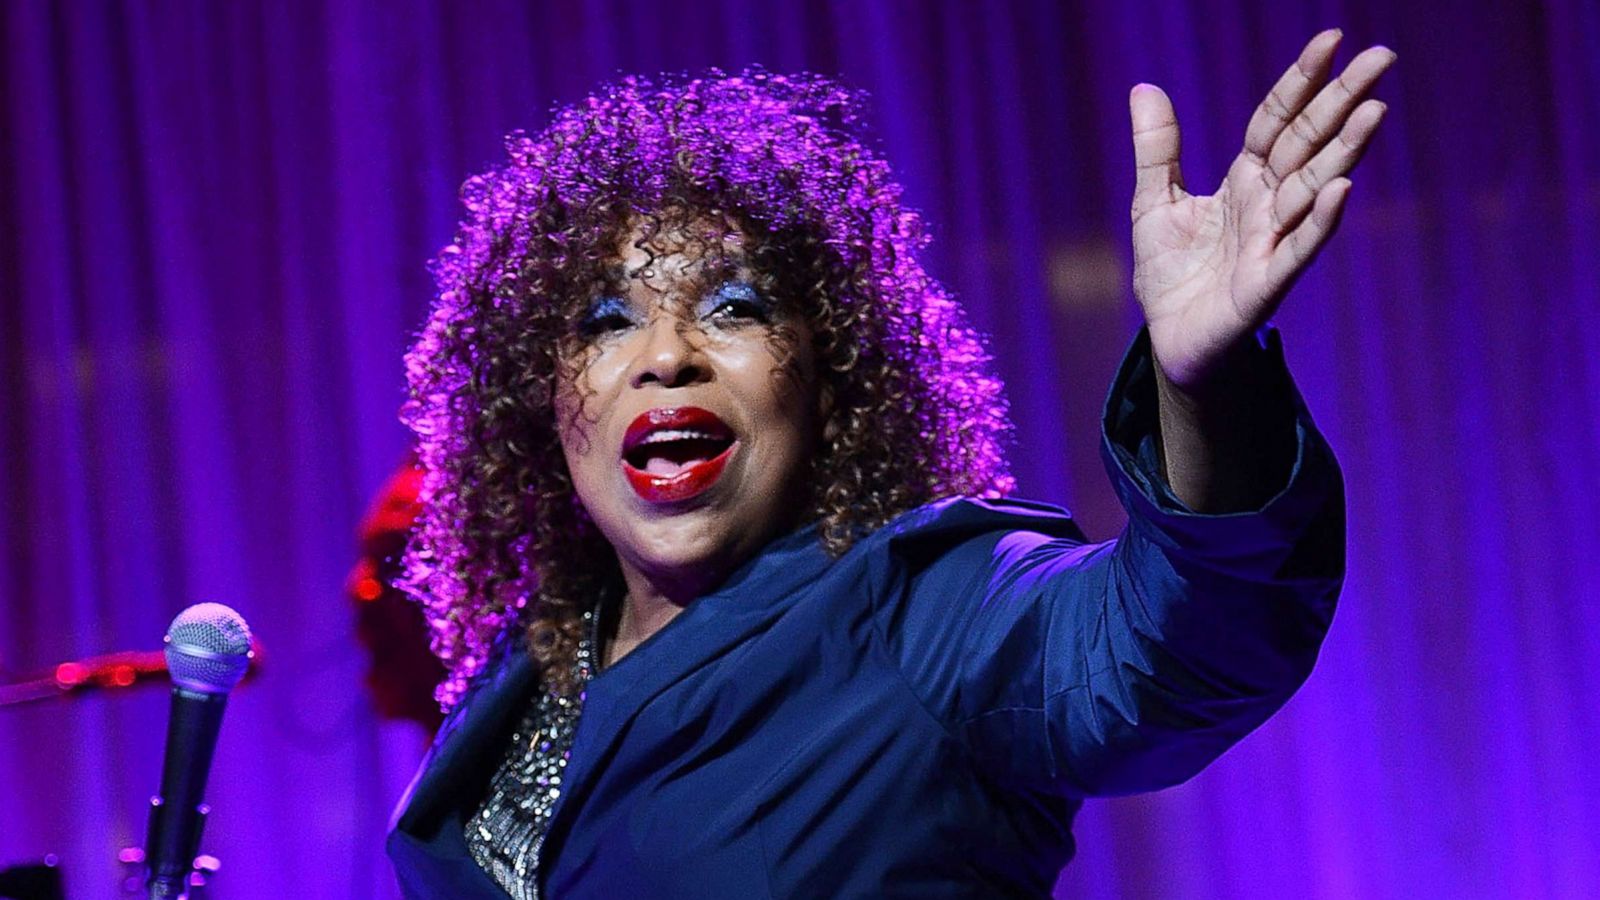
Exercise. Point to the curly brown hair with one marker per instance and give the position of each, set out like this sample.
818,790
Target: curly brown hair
917,411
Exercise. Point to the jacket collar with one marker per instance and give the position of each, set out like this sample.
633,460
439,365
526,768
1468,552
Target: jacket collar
708,628
466,749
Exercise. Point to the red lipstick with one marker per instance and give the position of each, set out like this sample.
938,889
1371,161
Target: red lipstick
672,455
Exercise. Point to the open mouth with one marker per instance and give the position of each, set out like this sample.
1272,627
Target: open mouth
670,455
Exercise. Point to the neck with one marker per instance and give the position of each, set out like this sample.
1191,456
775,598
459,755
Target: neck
656,597
648,605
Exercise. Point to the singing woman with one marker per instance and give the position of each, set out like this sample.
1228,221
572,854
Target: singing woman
716,543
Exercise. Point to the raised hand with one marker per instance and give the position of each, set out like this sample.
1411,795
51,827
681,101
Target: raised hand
1209,271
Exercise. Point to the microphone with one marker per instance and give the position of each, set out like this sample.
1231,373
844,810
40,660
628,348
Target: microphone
208,651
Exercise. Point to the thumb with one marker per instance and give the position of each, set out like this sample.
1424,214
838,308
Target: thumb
1156,145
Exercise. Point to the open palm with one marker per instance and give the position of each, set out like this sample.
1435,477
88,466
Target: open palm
1209,271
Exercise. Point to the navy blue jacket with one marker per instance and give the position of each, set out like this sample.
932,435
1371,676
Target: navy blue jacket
922,716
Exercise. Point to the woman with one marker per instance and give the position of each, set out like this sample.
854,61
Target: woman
705,546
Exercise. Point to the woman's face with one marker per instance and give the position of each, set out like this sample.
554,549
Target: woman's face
693,411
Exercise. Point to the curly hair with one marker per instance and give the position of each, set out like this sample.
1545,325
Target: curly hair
917,411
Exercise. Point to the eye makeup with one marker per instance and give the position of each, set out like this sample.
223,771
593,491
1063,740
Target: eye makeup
736,299
731,302
603,315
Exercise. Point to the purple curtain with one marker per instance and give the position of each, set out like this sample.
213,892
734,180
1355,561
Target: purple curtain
213,224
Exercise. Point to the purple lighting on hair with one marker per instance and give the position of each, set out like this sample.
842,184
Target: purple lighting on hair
775,151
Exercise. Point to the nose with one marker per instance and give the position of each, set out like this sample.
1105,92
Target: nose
670,356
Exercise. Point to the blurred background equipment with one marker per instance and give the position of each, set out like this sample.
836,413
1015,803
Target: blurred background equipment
108,671
35,881
401,671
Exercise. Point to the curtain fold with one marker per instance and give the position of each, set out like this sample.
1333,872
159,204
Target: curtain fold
214,220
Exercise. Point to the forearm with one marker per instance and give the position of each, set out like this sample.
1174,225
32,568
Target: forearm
1210,622
1087,669
1226,445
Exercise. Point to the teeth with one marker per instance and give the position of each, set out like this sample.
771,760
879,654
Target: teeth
660,437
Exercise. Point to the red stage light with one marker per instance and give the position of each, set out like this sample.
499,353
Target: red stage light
368,589
71,674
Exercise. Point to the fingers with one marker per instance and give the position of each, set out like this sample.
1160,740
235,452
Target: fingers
1326,114
1296,251
1289,96
1334,160
1156,146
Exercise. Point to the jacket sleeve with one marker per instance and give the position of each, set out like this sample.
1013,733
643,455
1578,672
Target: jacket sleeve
1083,669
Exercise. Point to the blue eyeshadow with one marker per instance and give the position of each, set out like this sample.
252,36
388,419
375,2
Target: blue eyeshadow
602,309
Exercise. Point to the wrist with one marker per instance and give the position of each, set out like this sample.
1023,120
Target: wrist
1226,437
1224,378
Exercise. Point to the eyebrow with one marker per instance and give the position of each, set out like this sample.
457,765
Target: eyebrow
616,274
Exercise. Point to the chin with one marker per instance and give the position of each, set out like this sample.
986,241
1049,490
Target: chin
698,547
697,543
697,539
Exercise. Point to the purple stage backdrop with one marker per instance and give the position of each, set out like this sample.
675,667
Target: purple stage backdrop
213,224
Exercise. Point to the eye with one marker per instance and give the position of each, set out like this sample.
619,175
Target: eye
605,315
736,301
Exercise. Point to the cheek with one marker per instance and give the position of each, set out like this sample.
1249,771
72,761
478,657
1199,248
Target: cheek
779,364
799,390
784,398
573,426
579,398
789,347
576,432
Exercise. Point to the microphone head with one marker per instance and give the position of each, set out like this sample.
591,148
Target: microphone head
208,648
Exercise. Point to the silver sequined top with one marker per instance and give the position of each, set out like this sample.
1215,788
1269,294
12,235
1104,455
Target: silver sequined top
505,834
